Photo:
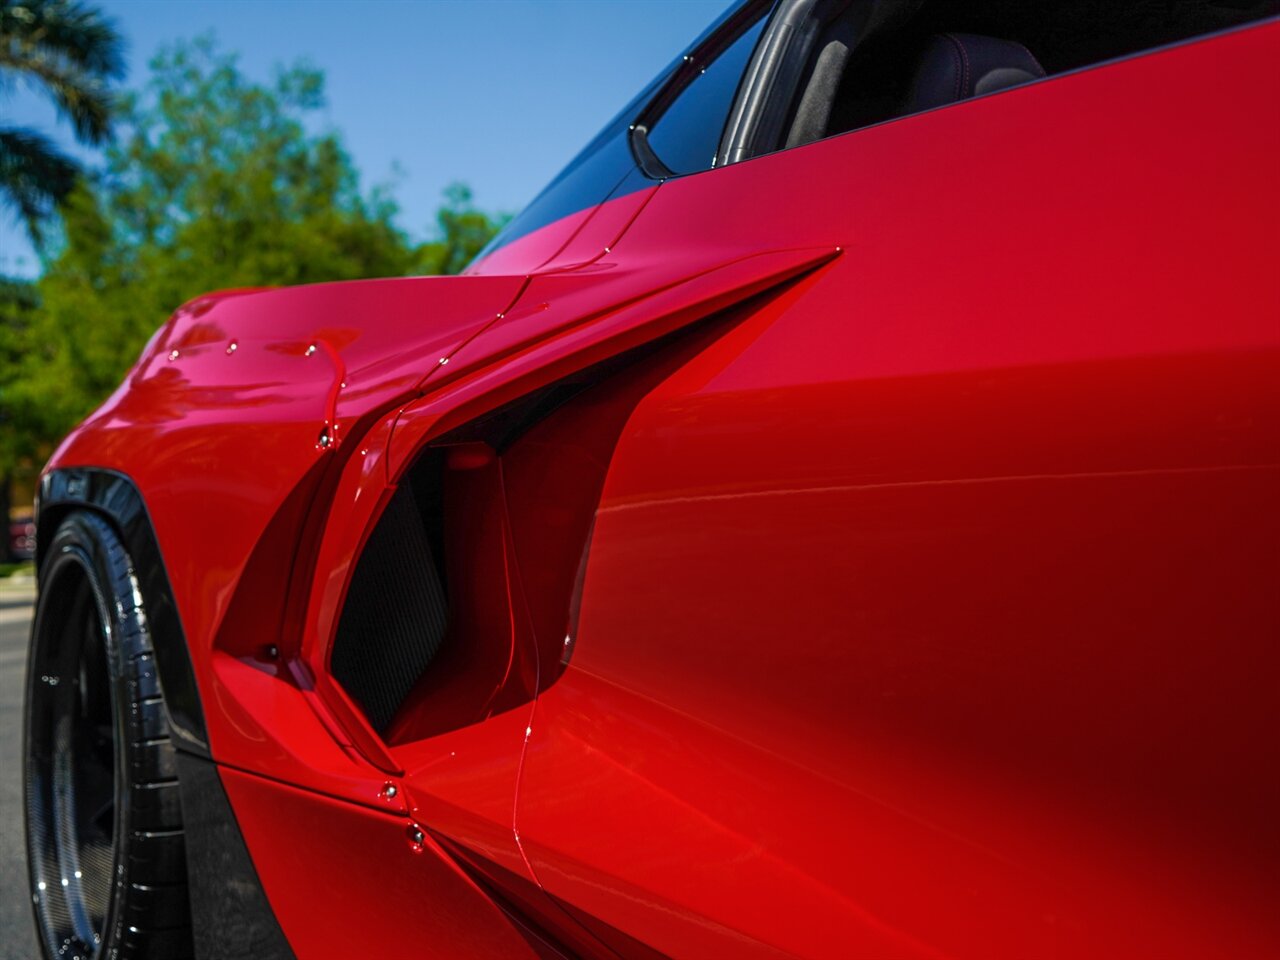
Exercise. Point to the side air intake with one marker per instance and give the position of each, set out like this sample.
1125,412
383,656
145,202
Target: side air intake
395,616
463,603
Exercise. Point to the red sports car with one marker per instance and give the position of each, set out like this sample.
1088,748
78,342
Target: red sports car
840,517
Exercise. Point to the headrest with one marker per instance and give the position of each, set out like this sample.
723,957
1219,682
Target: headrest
955,66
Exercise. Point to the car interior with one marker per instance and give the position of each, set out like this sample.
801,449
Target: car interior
874,61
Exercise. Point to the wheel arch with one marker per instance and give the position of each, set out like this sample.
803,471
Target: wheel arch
113,496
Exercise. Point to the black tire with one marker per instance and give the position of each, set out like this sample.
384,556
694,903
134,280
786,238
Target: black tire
105,843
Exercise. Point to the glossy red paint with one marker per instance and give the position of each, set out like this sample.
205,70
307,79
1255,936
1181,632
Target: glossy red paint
231,426
600,234
530,252
929,606
932,611
368,867
565,322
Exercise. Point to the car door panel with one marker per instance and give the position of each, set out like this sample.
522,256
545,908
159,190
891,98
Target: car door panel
924,609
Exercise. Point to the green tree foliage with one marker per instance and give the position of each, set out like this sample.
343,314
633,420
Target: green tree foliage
216,181
213,181
24,416
24,411
70,51
461,233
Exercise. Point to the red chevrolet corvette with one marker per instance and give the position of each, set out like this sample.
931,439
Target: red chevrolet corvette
840,517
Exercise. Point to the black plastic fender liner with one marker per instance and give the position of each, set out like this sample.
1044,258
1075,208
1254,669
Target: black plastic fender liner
116,497
231,917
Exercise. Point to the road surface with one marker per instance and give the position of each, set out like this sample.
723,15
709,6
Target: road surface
17,941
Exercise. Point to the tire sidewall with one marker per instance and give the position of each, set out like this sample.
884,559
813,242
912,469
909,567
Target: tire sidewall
85,540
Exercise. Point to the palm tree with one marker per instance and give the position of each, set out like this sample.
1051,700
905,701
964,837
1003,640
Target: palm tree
72,52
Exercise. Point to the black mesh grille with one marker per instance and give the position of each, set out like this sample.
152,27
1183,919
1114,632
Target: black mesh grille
395,615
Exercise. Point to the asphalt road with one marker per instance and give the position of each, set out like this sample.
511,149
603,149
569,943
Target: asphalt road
17,941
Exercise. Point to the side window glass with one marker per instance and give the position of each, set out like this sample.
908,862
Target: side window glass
686,136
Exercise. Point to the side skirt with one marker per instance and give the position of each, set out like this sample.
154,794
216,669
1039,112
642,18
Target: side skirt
230,916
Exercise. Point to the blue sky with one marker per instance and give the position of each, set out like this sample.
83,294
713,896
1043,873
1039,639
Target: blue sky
497,93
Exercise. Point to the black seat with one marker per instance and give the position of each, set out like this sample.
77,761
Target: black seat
955,66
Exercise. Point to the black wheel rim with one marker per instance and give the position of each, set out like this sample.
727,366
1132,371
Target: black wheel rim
73,777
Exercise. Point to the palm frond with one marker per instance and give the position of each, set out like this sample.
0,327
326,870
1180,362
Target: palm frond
34,177
83,98
71,51
68,29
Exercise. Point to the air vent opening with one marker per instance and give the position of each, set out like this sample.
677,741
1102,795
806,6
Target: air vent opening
396,614
462,601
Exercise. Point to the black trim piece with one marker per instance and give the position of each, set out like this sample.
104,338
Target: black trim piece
708,47
116,497
650,163
769,84
230,915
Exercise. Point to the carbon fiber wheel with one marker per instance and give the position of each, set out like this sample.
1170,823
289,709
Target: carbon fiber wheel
104,818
